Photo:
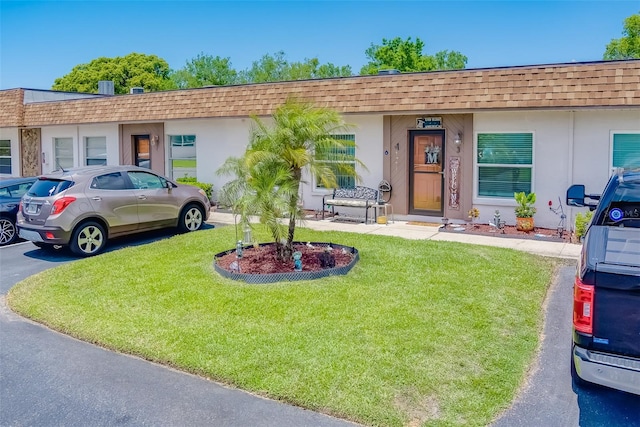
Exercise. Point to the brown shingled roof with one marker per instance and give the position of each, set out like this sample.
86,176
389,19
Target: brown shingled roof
11,107
560,86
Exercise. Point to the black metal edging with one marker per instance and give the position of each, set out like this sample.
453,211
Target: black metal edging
290,276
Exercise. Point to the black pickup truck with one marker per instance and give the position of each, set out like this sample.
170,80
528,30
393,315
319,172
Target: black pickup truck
606,292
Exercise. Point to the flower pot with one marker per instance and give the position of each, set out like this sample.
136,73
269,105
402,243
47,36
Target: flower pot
524,224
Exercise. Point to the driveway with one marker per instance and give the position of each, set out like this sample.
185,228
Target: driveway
47,378
549,398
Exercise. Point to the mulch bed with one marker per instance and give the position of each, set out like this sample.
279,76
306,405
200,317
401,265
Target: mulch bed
538,233
263,259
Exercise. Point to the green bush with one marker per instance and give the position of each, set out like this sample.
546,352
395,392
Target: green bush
189,180
582,220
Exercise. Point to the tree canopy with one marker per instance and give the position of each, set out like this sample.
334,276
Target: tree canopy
205,70
134,70
153,73
628,46
275,68
408,56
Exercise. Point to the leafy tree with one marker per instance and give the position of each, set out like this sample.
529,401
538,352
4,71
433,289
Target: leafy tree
268,176
627,47
406,55
133,70
269,68
205,70
276,68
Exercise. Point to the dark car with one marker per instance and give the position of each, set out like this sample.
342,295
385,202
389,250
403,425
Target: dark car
606,292
84,207
11,191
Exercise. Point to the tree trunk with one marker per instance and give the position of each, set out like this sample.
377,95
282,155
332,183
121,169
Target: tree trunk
293,215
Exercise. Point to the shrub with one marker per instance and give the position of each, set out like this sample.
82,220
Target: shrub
582,220
189,180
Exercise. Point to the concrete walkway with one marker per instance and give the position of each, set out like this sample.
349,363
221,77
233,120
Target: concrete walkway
409,231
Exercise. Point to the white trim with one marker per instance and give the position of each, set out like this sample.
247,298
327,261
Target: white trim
500,201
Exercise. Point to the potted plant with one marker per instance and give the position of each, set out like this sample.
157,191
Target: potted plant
474,213
525,210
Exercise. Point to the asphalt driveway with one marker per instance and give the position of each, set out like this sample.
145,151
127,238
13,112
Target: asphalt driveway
549,399
47,378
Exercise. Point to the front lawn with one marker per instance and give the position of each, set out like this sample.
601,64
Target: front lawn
419,332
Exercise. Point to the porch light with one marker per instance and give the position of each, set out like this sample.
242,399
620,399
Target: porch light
458,141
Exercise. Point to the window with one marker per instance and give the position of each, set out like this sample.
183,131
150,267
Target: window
5,156
144,180
182,156
626,150
341,160
505,163
95,150
63,149
110,181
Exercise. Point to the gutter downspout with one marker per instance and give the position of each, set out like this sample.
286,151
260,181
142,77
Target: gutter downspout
571,156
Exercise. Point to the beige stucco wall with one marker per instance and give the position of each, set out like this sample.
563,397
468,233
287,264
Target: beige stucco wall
569,148
78,133
396,163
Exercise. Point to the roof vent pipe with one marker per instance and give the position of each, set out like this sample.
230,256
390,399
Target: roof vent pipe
105,87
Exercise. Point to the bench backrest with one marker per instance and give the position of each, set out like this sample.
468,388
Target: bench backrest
358,192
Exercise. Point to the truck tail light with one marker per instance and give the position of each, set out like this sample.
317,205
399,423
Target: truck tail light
583,296
61,204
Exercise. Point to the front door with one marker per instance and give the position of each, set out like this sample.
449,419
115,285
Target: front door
426,172
141,152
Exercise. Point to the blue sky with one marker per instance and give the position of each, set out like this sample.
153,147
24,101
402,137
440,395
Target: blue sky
43,40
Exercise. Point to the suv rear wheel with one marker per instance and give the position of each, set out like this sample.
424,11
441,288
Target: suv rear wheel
88,239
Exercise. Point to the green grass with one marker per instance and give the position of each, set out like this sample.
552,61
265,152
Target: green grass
419,332
184,163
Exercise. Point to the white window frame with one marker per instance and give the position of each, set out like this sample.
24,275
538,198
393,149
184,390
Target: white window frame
10,157
500,201
612,134
181,143
320,188
56,162
85,148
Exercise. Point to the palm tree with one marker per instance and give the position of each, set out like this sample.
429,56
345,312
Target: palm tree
269,175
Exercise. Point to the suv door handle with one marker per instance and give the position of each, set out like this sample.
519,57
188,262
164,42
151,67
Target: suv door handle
96,198
142,197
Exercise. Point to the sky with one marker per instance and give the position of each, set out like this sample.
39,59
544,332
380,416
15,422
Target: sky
43,40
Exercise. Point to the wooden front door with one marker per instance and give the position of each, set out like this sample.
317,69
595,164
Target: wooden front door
426,172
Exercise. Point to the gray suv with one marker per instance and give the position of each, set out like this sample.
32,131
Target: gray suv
84,207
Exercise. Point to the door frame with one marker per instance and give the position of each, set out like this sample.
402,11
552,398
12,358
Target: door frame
411,136
135,140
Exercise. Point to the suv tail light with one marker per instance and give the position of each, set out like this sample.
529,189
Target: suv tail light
61,204
583,296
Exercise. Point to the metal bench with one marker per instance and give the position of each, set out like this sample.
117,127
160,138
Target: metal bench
354,197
